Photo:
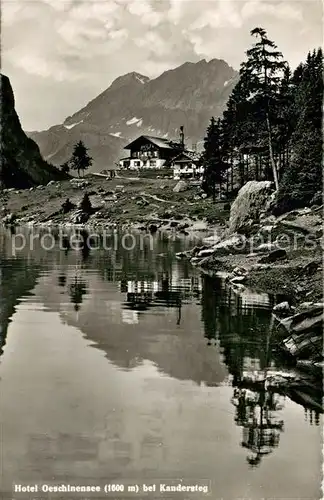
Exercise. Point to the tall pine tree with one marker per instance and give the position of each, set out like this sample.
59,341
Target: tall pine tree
302,179
213,158
262,71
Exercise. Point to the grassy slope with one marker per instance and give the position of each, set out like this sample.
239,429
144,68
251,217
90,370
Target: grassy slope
40,204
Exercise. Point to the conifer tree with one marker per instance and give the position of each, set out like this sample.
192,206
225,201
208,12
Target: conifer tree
262,71
65,167
213,158
80,160
302,179
85,204
273,119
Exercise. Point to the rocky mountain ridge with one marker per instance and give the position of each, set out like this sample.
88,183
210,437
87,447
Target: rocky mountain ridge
135,105
21,164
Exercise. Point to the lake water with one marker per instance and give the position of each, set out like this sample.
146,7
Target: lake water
130,367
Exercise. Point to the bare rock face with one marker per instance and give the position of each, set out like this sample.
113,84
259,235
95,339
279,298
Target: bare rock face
180,186
21,164
251,200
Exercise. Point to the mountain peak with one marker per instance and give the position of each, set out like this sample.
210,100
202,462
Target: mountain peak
128,79
135,105
220,62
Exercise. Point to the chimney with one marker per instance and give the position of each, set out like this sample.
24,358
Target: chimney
181,137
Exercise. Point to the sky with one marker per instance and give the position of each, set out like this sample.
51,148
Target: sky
60,54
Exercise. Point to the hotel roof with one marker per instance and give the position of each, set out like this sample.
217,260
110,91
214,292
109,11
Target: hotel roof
157,141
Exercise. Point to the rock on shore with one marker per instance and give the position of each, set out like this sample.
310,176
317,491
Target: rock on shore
251,200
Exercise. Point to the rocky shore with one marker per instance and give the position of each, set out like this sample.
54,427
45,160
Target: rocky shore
278,255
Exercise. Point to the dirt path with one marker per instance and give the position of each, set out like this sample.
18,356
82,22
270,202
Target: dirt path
156,198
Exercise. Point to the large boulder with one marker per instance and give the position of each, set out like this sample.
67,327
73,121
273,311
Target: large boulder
250,202
309,319
305,339
212,239
266,247
273,256
304,346
283,309
180,186
200,226
233,245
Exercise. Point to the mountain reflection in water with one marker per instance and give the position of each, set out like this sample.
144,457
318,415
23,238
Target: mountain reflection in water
145,308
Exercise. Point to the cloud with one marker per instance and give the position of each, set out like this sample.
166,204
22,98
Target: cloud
89,43
228,13
34,64
153,40
58,5
67,32
280,10
144,10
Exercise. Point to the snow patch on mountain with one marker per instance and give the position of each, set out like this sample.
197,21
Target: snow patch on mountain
139,123
140,79
72,125
231,80
115,134
133,120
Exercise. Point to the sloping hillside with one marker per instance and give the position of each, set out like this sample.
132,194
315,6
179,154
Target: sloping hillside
21,164
133,105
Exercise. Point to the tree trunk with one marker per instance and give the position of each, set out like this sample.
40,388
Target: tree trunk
241,170
272,160
232,173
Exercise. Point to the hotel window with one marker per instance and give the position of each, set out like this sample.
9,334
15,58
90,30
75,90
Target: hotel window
137,163
155,154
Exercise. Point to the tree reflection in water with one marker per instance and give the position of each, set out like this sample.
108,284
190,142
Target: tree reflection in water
313,417
61,280
241,325
77,290
255,413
